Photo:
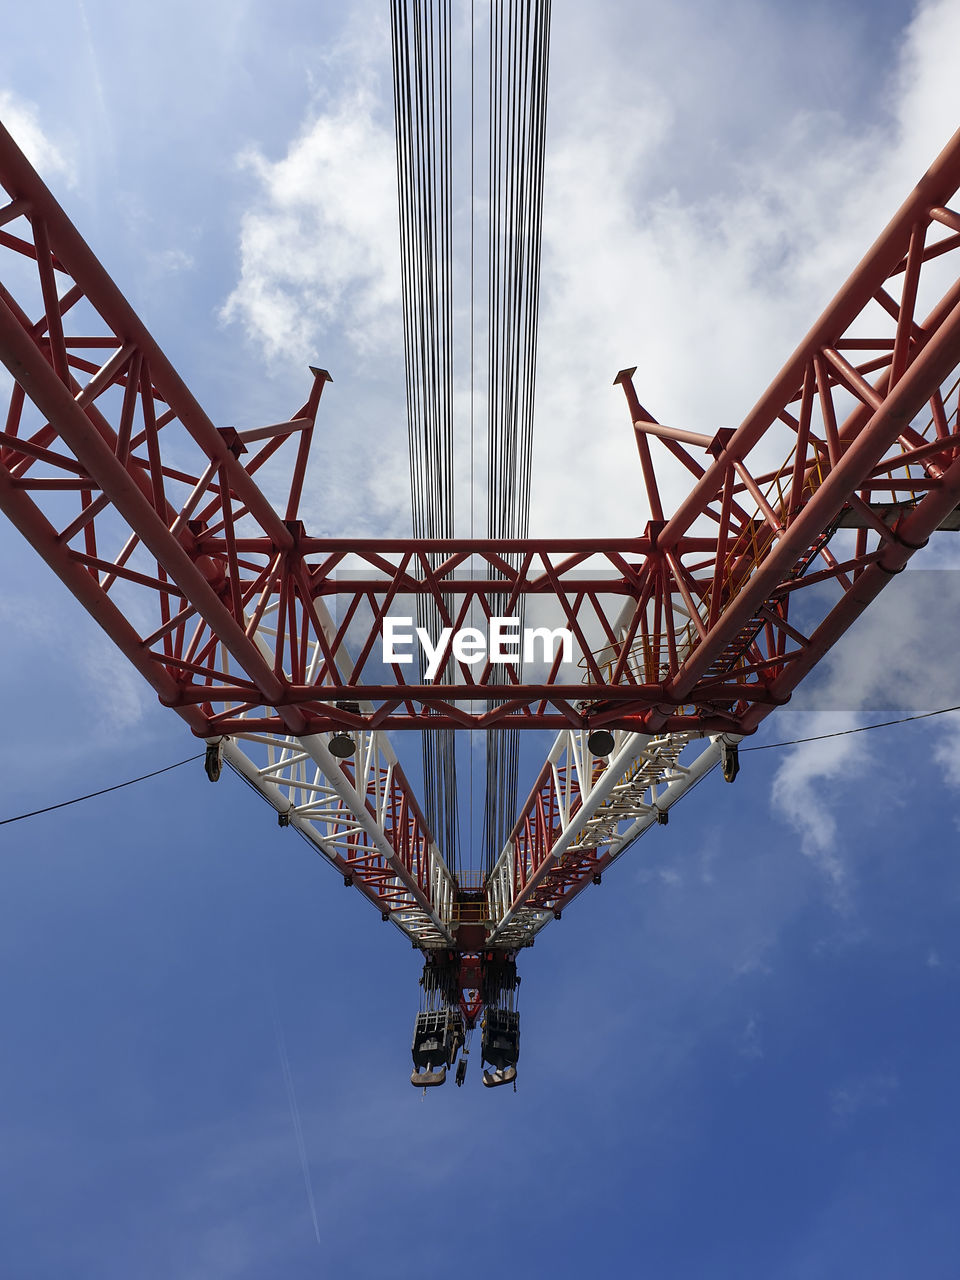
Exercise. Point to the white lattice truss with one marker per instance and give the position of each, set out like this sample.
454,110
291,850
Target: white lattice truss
645,777
354,813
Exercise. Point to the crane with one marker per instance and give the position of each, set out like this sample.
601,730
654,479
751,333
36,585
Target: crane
657,653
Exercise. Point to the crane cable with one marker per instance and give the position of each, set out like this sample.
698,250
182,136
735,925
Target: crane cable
519,65
421,36
421,46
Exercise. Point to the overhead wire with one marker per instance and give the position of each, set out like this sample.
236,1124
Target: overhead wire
762,746
117,786
842,733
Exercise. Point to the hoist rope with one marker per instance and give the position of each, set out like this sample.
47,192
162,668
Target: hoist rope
519,63
421,37
473,353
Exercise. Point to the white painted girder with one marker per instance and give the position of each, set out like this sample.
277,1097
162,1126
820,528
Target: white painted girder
352,822
347,822
644,778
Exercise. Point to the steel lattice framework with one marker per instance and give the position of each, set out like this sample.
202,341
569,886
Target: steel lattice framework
266,639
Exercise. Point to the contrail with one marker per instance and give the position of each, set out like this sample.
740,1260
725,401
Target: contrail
95,75
295,1117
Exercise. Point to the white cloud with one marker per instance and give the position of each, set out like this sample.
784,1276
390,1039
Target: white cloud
809,780
319,247
21,119
947,755
666,244
751,1040
927,80
705,287
171,261
864,1093
110,693
117,690
897,660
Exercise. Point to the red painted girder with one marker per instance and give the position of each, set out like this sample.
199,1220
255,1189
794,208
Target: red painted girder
837,468
842,461
882,262
88,484
72,257
209,577
211,573
194,630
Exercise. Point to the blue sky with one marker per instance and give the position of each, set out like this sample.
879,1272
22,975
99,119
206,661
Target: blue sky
739,1053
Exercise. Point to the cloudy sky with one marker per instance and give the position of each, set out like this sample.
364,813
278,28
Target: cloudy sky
739,1053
